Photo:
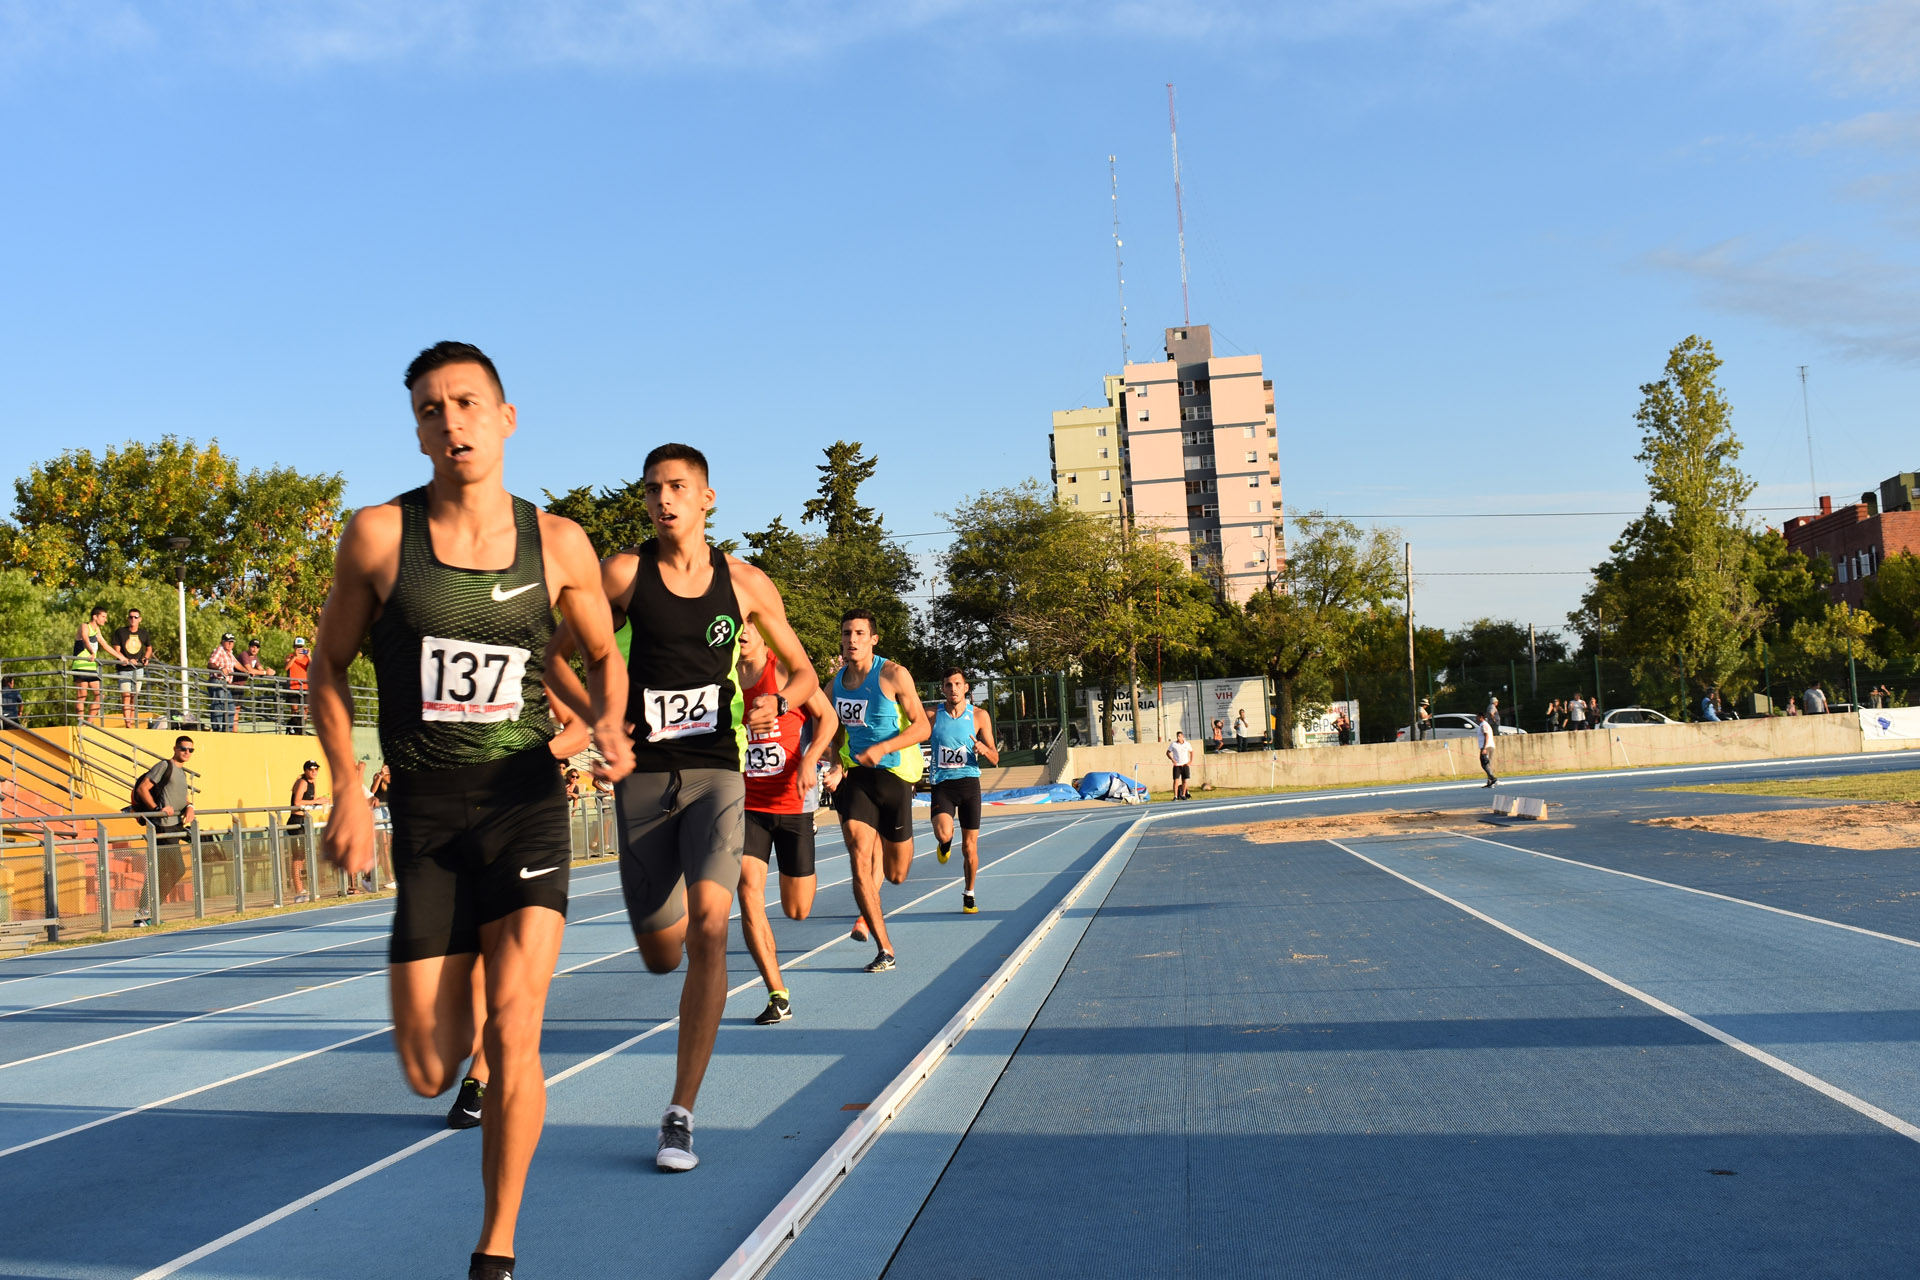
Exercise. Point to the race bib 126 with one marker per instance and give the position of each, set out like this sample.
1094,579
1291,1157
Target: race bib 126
952,758
466,681
681,713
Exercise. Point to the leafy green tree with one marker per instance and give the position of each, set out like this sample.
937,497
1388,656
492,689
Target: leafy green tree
1677,600
1893,601
260,543
1489,642
613,519
1301,631
1007,547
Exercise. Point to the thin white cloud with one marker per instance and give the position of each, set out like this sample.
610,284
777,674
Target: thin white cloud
1854,303
1890,130
1875,42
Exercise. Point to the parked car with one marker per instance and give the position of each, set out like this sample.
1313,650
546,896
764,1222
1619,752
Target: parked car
1454,724
1621,716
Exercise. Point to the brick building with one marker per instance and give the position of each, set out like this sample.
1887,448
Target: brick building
1856,539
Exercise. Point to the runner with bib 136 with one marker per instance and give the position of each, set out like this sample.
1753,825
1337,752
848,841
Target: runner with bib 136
681,813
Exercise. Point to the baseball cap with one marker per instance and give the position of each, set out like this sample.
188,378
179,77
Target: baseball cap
299,642
225,636
311,764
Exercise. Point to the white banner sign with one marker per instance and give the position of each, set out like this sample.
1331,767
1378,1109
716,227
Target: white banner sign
1891,722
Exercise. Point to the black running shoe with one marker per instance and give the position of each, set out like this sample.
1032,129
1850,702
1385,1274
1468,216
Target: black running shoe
489,1266
675,1153
465,1111
779,1009
967,904
880,963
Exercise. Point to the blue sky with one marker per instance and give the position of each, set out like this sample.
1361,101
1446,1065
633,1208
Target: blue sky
1461,234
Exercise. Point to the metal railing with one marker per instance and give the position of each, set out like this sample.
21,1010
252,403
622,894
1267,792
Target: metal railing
161,695
95,872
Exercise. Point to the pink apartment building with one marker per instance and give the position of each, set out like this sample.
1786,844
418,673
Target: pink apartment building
1198,459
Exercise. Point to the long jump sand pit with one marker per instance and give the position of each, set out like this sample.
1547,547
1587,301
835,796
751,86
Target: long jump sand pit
1353,826
1891,825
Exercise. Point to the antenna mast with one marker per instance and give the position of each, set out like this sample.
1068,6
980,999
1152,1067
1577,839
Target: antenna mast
1119,267
1807,415
1179,214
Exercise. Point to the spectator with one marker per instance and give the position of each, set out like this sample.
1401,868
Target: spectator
87,643
1342,728
1816,699
1180,752
1493,709
129,645
1219,736
1240,730
1880,699
573,784
1423,723
162,796
1553,715
248,670
297,686
220,705
1576,712
12,705
1793,705
303,804
1708,710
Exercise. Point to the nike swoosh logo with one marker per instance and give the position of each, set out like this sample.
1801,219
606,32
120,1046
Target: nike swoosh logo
526,874
501,597
465,1112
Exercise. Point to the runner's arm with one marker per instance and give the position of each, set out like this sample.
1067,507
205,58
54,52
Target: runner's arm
760,601
897,683
372,538
616,583
824,730
574,735
983,736
583,606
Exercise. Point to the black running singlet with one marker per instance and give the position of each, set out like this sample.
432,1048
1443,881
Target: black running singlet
459,653
682,694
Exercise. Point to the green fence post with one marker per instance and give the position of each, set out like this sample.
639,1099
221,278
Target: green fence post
1596,684
104,876
199,871
1513,690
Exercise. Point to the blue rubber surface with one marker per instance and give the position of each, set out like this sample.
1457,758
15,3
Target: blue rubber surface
1255,1059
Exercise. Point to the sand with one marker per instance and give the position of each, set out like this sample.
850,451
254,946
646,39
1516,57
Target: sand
1847,826
1353,826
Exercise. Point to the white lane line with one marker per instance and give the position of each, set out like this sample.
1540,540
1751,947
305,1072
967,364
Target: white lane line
387,1162
202,973
1705,893
1785,1068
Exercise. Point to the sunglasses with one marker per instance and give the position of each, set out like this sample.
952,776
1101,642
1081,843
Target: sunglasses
188,750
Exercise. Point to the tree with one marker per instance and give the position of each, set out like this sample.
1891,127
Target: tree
613,519
1677,600
1009,546
1893,601
260,542
1488,642
1300,631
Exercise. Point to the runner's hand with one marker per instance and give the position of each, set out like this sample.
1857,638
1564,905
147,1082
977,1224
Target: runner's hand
616,751
834,773
871,757
348,840
764,714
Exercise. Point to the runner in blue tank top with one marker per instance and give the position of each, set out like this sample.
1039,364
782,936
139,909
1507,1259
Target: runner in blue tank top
962,738
882,725
682,811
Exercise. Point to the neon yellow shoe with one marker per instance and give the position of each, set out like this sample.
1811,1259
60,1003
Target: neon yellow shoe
968,905
945,850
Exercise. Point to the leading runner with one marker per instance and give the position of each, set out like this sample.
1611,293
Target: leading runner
681,811
457,582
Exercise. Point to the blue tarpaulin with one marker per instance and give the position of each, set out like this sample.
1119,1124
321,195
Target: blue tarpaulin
1111,786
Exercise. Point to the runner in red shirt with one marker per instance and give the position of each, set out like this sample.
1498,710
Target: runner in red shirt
783,790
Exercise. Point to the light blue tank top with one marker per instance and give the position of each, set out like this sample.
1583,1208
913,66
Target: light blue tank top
954,754
867,714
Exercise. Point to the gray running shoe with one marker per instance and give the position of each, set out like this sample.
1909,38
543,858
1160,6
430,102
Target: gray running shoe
880,963
675,1154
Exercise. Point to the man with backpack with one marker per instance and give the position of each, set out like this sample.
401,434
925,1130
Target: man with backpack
162,798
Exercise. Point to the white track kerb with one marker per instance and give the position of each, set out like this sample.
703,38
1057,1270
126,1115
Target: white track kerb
791,1215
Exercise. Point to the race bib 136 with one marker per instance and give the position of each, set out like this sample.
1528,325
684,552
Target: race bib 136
681,713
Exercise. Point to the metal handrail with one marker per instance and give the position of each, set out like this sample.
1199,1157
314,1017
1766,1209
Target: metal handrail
45,685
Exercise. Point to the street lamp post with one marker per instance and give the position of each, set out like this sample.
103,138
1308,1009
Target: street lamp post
178,546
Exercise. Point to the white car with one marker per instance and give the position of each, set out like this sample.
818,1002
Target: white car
1454,724
1623,716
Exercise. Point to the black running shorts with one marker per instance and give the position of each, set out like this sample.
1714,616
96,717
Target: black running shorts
1182,771
959,796
473,845
880,798
789,835
676,828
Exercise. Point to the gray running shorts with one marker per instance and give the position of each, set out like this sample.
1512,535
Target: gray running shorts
676,828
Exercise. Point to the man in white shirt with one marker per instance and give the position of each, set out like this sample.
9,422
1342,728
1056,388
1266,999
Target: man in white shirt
1486,731
1180,751
1577,712
1815,700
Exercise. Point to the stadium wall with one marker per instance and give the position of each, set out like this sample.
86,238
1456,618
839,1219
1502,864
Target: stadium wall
1781,737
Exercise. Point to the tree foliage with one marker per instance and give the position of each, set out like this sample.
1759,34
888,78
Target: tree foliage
1893,600
613,519
260,543
1677,600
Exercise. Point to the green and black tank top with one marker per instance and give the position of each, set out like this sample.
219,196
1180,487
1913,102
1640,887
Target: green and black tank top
683,695
459,653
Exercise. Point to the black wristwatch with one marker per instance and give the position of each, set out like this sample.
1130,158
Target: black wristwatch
780,700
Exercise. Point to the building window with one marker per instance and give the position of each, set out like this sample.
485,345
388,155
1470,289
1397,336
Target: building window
1840,570
1102,431
1206,486
1253,482
1073,477
1245,431
1073,499
1252,456
1193,486
1106,475
1211,511
1106,495
1261,555
1253,508
1103,451
1197,462
1139,391
1193,513
1143,415
1186,387
1197,413
1273,431
1259,532
1274,481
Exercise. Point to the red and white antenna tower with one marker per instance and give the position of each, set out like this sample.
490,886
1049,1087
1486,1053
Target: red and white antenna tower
1179,214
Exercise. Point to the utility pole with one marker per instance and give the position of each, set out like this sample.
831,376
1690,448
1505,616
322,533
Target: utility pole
1119,267
1853,678
1806,414
1179,213
1413,683
1533,664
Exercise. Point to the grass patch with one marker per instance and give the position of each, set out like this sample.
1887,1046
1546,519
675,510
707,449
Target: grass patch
1903,785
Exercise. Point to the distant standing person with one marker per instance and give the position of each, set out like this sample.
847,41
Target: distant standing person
249,669
1493,709
1240,730
1219,736
1423,723
1342,728
1180,751
1816,699
1576,713
1707,708
1553,715
130,645
162,795
87,643
297,685
12,705
1487,733
220,707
